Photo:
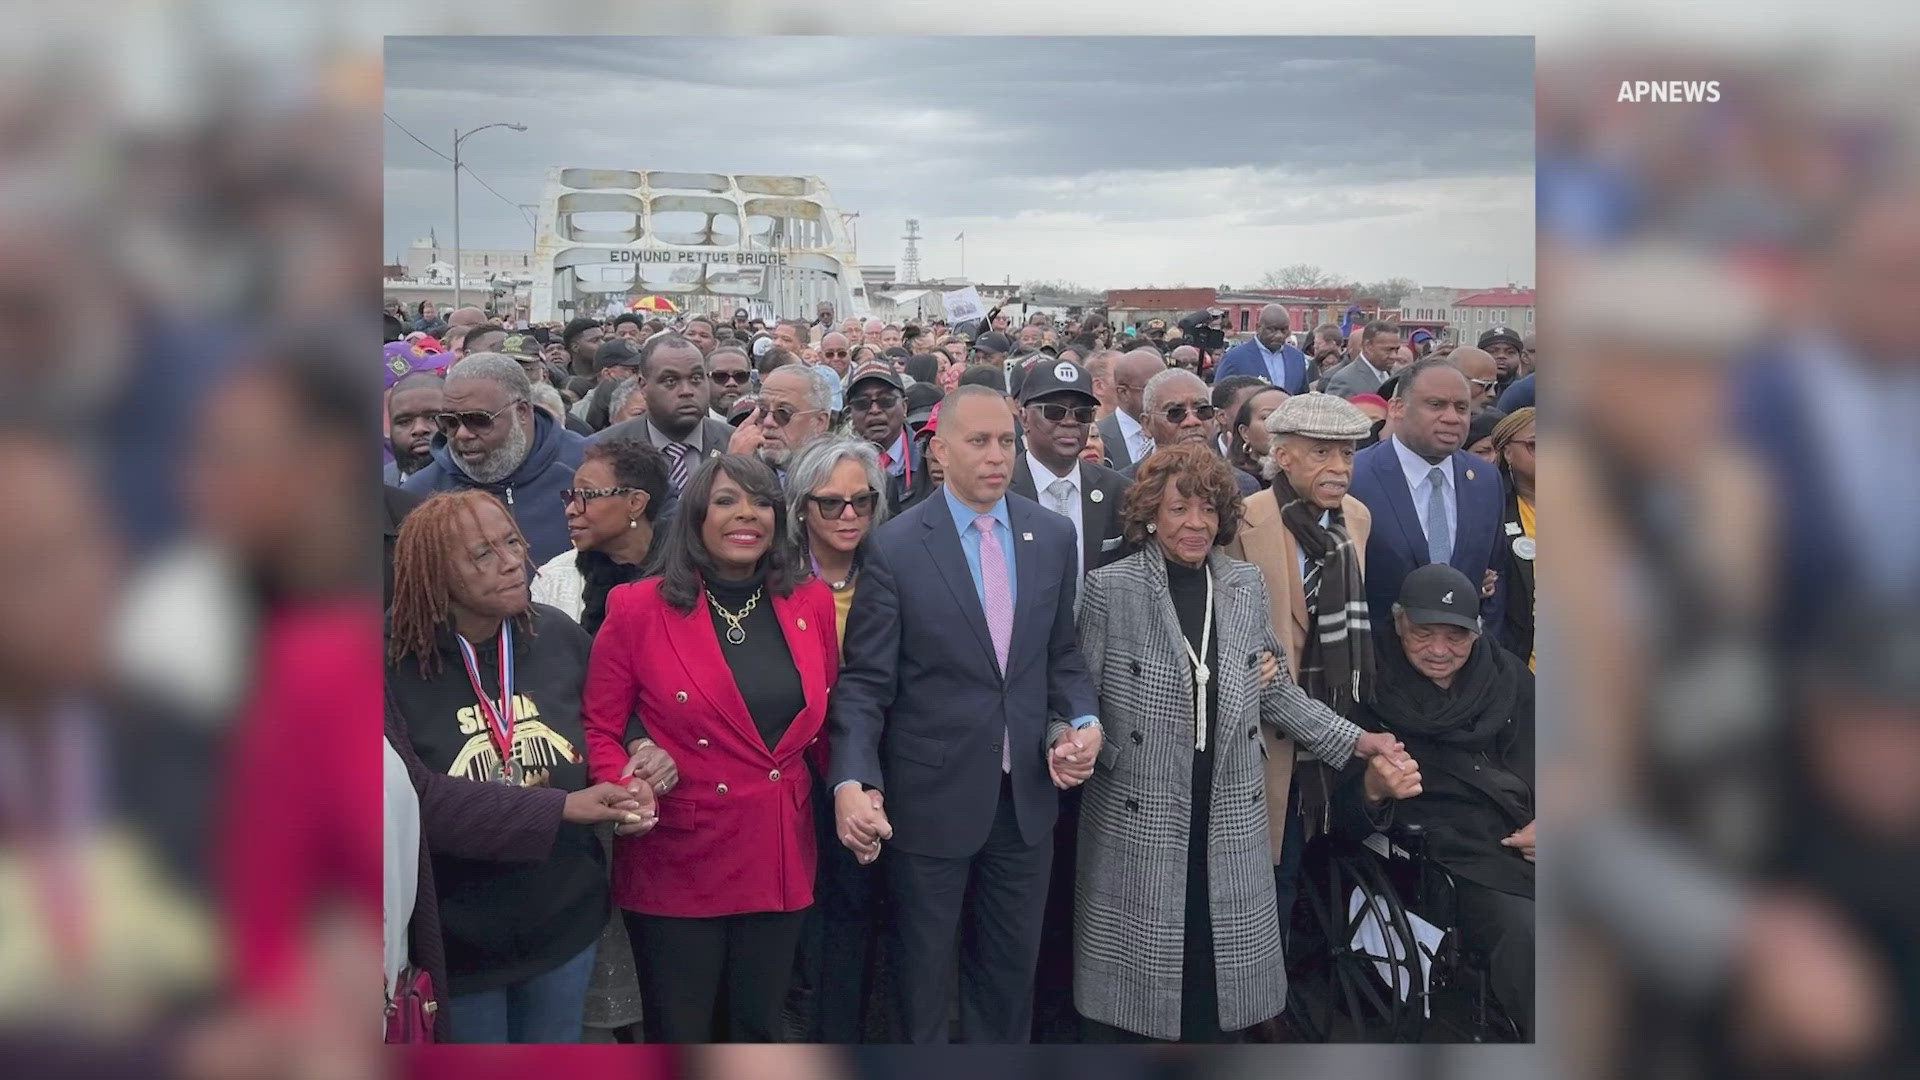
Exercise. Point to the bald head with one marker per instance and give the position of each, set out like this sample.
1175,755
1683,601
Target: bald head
467,316
1130,375
1187,357
1482,372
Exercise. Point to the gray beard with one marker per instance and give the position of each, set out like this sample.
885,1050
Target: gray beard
498,464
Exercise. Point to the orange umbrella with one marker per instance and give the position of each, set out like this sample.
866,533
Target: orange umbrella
652,303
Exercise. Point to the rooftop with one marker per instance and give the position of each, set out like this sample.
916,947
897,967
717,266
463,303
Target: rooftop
1508,297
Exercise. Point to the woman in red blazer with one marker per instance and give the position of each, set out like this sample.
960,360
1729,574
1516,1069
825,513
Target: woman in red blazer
710,682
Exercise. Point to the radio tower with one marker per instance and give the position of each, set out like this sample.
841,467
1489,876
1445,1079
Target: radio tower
910,262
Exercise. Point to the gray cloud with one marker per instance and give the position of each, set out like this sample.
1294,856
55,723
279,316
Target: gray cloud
1109,161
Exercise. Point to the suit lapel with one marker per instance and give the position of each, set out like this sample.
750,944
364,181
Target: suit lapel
943,543
698,648
1290,565
1026,575
1021,483
1093,520
1393,481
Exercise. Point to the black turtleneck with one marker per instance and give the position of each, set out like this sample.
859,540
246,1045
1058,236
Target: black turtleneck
762,665
1199,988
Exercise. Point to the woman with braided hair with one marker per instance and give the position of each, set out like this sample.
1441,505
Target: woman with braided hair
487,686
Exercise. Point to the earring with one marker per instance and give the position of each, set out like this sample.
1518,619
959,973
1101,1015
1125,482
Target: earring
633,523
1151,527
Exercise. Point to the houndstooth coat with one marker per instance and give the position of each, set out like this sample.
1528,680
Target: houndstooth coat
1130,883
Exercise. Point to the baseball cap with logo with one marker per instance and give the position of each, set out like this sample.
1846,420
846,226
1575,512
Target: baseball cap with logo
1502,333
402,358
873,370
1056,377
993,342
1156,324
521,346
1437,593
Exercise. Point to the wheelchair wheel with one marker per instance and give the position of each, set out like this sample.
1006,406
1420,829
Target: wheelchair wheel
1337,992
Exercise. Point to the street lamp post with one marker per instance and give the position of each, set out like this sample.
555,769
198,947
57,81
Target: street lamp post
457,140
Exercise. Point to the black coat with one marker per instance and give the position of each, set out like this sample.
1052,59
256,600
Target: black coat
1463,807
1515,629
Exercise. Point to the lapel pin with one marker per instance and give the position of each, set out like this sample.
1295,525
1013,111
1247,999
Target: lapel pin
802,623
1469,474
1096,495
1026,536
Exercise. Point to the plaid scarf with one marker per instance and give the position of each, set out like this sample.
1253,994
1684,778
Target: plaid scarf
1337,666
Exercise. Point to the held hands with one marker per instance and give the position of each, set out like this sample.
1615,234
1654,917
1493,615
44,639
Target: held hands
1373,744
1070,762
860,821
630,807
1391,777
1269,669
651,764
1522,840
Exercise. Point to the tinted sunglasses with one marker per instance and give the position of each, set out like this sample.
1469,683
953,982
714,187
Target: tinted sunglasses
1055,413
783,415
732,378
882,402
475,421
833,506
585,495
836,354
1177,414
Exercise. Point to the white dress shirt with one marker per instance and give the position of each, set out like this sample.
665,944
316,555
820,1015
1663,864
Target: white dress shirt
1138,444
1417,469
1043,479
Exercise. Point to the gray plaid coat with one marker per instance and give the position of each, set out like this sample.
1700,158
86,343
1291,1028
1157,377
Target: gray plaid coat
1130,884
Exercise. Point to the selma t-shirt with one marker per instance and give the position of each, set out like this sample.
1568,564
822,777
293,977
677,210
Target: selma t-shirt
507,922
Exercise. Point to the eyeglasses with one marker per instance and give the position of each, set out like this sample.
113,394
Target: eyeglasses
881,401
732,378
1177,414
1054,413
1485,384
782,415
585,495
475,421
836,354
833,506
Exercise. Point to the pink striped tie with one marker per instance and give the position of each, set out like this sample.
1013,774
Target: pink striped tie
999,607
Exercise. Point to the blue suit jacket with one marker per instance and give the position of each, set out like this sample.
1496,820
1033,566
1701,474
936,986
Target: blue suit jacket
1397,547
921,709
1245,359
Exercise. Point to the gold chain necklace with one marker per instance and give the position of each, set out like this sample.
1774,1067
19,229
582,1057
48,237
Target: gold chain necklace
736,634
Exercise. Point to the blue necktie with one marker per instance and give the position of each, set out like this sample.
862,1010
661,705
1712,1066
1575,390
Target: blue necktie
1439,530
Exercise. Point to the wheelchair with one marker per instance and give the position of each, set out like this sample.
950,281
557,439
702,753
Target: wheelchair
1392,982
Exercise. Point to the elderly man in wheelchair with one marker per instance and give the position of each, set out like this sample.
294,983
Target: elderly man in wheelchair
1463,706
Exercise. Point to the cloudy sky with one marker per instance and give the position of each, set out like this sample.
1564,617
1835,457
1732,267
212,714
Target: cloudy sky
1108,162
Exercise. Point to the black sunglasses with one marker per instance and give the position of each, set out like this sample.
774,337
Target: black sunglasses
1055,413
475,421
1177,414
732,378
833,506
883,402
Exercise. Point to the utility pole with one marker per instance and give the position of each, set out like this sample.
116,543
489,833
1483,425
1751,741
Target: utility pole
457,140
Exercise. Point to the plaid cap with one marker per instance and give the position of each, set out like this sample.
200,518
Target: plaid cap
1319,416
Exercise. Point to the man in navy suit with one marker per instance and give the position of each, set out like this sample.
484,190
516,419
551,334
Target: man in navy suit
1431,500
961,660
1268,355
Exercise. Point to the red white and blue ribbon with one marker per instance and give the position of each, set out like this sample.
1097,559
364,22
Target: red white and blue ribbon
499,717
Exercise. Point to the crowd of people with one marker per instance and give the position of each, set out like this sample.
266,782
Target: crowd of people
834,680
